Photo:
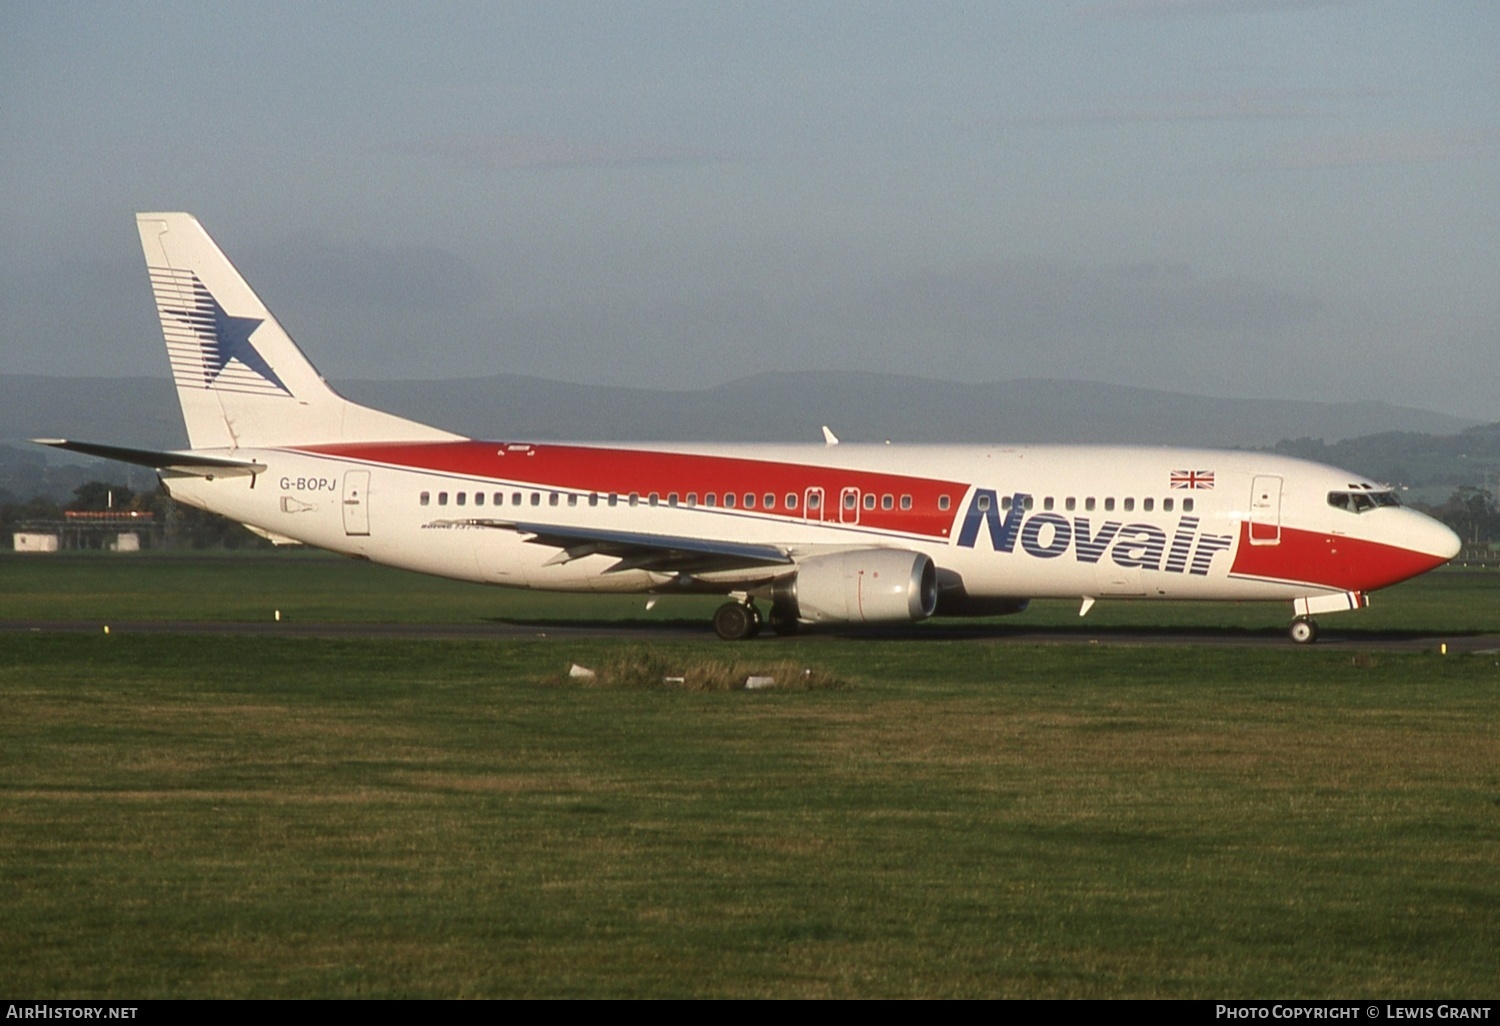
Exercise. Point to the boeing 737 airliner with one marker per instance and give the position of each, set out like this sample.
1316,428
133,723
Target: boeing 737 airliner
825,533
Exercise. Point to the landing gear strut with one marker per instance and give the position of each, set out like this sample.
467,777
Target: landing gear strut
1303,631
737,621
784,622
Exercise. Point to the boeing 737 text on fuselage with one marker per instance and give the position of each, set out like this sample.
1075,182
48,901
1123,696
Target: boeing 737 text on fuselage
829,533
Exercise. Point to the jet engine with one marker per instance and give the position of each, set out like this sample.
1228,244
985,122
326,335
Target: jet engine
862,586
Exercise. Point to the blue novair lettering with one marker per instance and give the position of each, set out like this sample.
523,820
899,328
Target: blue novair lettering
985,508
1090,549
1140,545
1182,544
1208,544
1031,535
1049,535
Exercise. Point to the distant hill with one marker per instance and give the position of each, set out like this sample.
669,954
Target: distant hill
132,411
874,407
1434,465
766,407
791,406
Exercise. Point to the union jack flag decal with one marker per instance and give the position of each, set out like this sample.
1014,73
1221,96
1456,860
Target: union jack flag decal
1192,479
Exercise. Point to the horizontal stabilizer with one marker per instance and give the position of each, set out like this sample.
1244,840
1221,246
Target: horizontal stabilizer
195,463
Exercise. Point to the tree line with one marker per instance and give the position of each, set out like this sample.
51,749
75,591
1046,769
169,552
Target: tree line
1471,513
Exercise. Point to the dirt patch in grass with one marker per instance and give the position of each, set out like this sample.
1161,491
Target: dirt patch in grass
650,668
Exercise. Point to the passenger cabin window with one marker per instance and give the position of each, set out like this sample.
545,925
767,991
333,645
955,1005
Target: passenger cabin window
1088,504
749,500
536,498
906,502
461,498
442,498
791,500
479,498
1148,504
770,500
1130,505
425,498
943,502
1187,505
887,502
1070,503
1166,504
1109,504
869,500
729,500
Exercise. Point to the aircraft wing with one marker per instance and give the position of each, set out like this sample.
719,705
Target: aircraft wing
197,464
655,552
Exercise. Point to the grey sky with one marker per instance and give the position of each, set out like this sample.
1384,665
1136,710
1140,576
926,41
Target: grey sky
1234,197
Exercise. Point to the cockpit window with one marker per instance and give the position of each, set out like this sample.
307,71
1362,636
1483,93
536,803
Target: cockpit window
1360,502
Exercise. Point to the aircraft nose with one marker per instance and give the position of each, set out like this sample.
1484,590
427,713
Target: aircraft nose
1435,537
1452,543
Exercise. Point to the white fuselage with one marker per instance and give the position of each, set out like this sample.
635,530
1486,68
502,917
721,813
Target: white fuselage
1019,522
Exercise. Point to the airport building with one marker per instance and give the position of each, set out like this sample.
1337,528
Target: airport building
109,531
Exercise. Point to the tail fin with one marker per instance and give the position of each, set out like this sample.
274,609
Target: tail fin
241,379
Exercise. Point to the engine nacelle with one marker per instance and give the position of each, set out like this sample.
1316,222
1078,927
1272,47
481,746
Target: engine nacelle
863,586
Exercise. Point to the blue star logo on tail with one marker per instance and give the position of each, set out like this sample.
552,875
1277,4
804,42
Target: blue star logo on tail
223,338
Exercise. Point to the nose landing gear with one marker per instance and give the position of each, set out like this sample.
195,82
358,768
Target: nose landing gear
1303,631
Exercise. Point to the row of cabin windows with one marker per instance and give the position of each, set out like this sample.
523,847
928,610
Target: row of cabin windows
749,500
814,501
516,498
886,501
1090,504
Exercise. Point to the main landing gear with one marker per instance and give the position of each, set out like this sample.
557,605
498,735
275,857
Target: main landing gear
741,621
1303,631
737,621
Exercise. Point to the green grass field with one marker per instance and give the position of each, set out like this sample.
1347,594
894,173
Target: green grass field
313,586
233,816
